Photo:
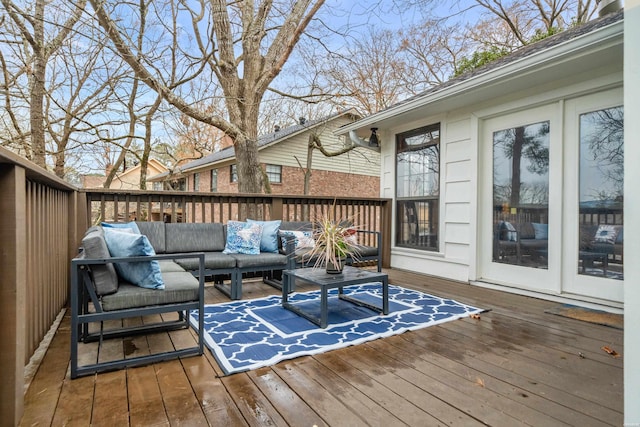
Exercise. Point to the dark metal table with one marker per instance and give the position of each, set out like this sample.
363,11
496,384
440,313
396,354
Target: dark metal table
588,258
319,277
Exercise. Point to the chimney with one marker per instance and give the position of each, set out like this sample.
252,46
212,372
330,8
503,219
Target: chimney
606,7
302,120
276,128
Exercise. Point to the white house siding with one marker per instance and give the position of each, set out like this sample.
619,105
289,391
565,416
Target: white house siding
360,161
632,213
461,138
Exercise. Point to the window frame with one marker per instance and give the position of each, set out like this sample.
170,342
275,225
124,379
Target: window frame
213,181
270,174
410,219
233,173
196,182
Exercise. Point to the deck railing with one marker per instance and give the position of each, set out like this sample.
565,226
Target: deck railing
42,220
177,206
38,217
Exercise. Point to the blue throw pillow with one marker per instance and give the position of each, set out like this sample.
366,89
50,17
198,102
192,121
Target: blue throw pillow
121,243
541,231
119,225
269,241
243,238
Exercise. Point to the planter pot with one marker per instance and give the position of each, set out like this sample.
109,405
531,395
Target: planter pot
335,269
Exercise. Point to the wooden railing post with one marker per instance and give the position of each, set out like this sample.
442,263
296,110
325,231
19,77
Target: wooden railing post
276,208
385,227
13,261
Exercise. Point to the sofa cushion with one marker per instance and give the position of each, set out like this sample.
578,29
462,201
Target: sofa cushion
155,233
169,266
243,238
212,261
179,287
194,237
266,259
526,231
145,274
269,241
105,277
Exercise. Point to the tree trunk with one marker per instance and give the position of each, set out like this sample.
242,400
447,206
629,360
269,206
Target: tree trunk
37,89
516,159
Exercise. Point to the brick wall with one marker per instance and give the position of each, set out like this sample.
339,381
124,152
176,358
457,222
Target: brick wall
323,183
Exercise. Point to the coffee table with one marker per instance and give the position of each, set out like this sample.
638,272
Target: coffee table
319,277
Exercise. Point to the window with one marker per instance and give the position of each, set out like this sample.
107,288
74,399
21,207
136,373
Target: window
601,187
418,188
234,173
158,186
196,182
274,173
214,180
521,195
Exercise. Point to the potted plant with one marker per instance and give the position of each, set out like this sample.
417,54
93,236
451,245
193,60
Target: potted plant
335,240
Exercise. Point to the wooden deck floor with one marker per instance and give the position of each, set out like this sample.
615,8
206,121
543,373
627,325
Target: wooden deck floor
515,366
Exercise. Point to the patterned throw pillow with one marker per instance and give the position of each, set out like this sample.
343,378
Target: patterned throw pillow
607,234
508,232
302,239
243,238
124,243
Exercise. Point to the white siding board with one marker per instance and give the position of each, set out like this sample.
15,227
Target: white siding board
457,233
457,251
458,212
458,130
430,266
457,192
459,151
458,171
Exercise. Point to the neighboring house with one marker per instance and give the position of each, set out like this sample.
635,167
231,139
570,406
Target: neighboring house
127,180
282,153
511,177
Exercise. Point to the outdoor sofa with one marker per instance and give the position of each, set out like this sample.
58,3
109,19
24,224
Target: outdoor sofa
178,256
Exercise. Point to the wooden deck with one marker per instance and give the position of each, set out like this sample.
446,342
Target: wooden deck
515,366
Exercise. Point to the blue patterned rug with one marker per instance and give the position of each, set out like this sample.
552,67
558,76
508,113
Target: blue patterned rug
250,334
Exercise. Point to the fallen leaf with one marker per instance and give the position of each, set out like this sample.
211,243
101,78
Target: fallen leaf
610,351
480,382
475,316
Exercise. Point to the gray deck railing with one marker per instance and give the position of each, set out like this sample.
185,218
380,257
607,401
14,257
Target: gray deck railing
42,220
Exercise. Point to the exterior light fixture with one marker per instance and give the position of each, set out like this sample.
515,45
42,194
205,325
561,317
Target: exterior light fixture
373,139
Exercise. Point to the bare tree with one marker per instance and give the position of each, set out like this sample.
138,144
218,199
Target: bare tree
244,44
42,45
